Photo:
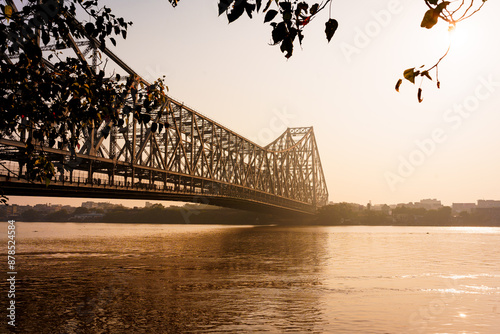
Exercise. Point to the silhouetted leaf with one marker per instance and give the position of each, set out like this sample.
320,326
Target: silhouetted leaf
137,112
259,4
279,32
330,27
430,19
270,15
154,127
314,8
287,15
285,5
410,74
45,37
146,118
303,6
238,9
90,28
301,37
287,46
224,5
419,95
267,5
426,73
398,84
7,10
432,15
105,131
249,7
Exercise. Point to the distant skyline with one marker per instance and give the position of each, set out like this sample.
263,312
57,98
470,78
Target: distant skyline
375,144
26,200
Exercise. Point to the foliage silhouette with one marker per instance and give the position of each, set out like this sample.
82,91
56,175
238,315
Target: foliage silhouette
52,103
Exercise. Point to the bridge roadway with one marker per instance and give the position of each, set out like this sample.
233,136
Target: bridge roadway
225,195
231,197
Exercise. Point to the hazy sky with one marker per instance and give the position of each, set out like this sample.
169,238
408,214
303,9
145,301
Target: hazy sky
375,144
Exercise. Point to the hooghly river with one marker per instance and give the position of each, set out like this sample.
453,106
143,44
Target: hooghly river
123,278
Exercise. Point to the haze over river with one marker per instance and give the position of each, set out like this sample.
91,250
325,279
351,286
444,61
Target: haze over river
124,278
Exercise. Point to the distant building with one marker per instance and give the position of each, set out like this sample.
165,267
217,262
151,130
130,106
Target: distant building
44,208
356,207
68,208
89,205
11,211
483,204
461,207
381,207
405,205
97,205
429,204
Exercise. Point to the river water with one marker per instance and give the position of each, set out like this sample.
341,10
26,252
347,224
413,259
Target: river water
123,278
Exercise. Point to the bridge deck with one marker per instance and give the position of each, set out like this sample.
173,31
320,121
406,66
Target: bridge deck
232,198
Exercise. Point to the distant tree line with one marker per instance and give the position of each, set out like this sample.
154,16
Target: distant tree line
63,215
353,214
187,214
333,214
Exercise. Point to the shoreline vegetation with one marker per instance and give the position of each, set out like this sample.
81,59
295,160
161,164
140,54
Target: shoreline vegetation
329,215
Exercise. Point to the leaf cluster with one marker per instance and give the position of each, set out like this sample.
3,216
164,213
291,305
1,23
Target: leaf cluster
287,18
450,12
52,104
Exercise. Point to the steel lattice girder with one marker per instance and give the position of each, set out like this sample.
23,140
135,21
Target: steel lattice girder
202,152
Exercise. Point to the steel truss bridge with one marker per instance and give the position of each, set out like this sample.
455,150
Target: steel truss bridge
194,159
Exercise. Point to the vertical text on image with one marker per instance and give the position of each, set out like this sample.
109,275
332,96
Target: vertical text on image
11,273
